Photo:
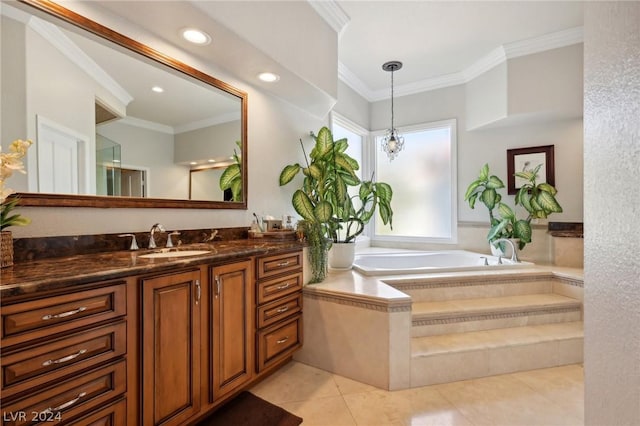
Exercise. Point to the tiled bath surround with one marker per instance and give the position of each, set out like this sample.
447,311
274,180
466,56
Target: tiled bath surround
409,331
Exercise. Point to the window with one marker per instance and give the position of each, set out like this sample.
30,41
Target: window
343,128
423,178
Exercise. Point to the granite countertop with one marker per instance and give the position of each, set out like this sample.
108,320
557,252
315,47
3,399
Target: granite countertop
26,278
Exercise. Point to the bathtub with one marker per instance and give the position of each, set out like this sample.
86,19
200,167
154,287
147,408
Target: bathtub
421,262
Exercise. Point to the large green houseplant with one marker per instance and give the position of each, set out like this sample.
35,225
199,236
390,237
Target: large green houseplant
324,201
537,199
231,178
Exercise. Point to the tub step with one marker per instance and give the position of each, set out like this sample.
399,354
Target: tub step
442,288
464,315
461,356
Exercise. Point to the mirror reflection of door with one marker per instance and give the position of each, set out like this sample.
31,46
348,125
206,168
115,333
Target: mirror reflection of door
132,183
125,182
61,167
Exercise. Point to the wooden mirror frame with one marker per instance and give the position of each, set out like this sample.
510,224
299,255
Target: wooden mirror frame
73,200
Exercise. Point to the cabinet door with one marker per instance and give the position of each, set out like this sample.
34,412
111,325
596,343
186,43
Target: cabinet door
232,316
170,348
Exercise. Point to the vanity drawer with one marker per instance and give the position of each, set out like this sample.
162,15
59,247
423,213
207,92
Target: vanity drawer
270,266
112,415
278,287
42,318
277,310
278,341
54,360
86,393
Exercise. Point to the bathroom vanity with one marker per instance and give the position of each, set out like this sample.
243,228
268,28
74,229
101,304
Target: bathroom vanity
116,338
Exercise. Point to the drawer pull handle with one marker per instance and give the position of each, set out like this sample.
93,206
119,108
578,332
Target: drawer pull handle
282,287
281,341
282,264
64,405
283,309
217,292
65,314
64,359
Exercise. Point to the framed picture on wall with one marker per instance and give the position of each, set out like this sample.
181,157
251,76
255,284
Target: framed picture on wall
526,159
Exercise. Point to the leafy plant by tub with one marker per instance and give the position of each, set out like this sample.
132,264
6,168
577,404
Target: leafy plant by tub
537,199
324,196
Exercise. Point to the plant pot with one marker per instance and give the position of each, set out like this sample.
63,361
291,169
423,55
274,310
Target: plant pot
6,249
342,255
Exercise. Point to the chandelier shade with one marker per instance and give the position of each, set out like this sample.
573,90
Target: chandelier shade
392,143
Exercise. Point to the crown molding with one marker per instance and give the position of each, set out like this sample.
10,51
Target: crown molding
332,13
496,57
208,122
352,80
145,124
544,42
68,48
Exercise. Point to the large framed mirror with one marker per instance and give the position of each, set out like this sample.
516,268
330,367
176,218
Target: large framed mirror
115,123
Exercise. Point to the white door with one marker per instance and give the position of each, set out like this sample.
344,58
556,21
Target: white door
60,159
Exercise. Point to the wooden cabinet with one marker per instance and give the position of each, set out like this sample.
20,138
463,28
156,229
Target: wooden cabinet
279,308
157,349
171,341
231,312
64,356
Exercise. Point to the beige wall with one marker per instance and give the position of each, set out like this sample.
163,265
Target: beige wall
489,144
612,206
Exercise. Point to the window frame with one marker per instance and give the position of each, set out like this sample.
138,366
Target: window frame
371,157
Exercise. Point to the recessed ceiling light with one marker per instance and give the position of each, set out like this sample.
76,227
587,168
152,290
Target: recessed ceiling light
195,36
193,163
157,89
269,77
211,160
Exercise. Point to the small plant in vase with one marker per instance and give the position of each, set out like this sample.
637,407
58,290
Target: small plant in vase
324,201
10,162
537,199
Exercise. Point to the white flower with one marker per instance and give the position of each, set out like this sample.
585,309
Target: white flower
11,162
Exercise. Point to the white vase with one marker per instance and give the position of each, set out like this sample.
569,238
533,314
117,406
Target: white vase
342,255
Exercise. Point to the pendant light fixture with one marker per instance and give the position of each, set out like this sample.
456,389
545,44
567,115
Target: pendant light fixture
392,143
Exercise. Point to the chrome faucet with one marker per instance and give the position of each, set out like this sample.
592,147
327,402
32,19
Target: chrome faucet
154,228
514,253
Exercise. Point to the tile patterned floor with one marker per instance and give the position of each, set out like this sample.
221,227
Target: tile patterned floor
546,397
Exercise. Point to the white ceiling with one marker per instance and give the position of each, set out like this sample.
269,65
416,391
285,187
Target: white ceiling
440,41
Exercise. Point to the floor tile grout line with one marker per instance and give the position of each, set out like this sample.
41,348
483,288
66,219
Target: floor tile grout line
346,404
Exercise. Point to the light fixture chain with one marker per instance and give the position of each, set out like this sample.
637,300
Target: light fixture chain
392,143
392,99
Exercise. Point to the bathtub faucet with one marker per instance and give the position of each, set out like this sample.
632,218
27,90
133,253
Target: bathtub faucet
514,253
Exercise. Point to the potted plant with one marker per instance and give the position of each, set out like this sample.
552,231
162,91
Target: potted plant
324,201
9,162
231,178
537,199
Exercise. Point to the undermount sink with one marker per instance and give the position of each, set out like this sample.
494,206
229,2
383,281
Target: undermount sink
176,253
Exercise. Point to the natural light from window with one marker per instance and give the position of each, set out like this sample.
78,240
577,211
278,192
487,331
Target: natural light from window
423,178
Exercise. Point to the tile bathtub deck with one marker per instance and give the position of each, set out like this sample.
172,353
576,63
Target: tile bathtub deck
545,397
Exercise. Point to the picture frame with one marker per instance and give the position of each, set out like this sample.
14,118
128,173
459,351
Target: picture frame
519,159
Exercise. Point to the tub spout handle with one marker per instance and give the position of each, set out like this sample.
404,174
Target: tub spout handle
486,262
